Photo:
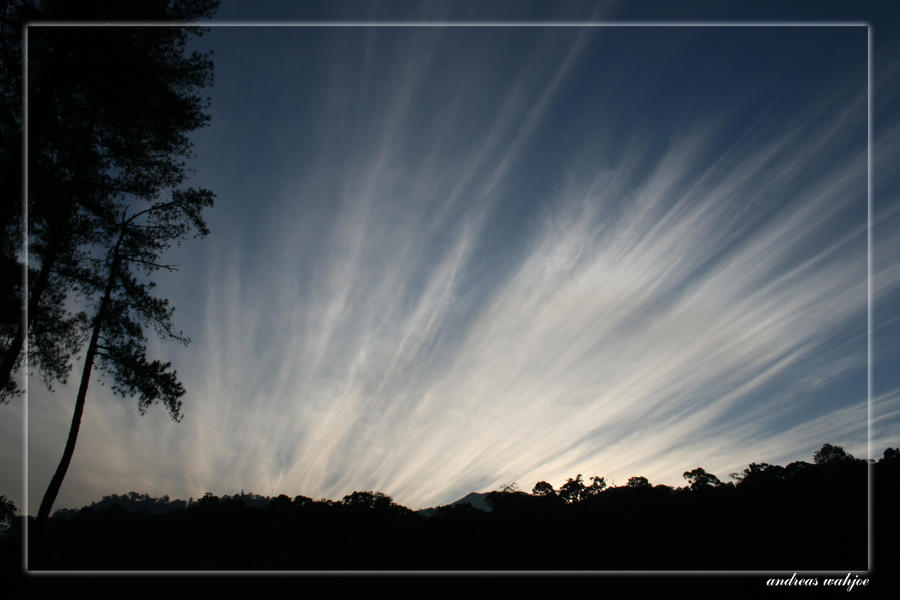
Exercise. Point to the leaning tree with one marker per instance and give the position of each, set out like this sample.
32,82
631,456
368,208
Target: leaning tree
110,110
125,308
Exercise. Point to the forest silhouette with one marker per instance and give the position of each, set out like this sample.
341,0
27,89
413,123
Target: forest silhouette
83,204
802,516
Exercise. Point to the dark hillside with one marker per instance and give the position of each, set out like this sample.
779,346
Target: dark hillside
804,516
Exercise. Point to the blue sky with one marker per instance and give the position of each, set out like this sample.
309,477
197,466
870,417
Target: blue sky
443,259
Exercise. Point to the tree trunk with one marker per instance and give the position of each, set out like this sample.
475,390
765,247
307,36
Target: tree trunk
56,482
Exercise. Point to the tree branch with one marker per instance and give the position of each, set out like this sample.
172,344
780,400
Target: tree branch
170,268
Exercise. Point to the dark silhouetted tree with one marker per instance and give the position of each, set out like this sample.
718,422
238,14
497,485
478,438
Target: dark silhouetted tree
208,500
110,110
638,481
54,334
798,469
11,266
572,490
542,488
774,522
700,479
300,500
371,500
598,484
125,307
281,503
829,454
759,473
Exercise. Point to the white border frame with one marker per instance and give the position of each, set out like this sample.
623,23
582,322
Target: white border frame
464,24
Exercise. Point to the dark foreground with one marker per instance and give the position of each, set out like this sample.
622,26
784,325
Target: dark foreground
802,517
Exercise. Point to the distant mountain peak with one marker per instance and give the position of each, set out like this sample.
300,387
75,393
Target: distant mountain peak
477,500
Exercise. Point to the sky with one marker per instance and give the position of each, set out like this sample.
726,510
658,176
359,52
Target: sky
444,259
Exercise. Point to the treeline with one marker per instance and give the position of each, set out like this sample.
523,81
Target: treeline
803,516
138,503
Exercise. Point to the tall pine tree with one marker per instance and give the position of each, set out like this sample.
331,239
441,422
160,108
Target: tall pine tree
125,307
110,109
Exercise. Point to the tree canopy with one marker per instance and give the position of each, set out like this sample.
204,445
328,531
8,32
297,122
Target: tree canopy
770,523
110,113
700,479
829,454
638,481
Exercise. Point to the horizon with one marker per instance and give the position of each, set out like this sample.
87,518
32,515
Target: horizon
443,260
509,488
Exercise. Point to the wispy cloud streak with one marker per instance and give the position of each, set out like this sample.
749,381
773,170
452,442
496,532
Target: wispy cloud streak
699,298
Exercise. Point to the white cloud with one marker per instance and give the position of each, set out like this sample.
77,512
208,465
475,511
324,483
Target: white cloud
370,345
